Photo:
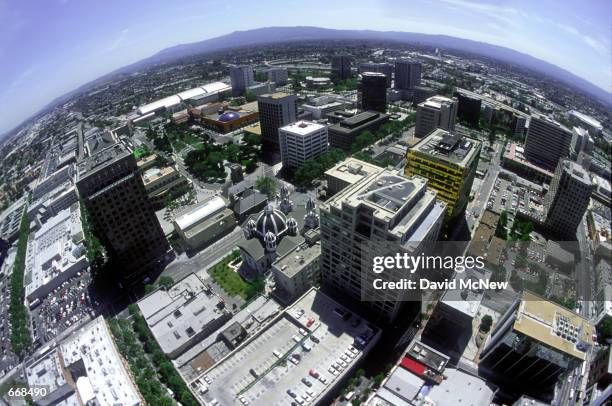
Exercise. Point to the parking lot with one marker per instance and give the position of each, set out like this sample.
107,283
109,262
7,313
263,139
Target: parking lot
67,306
8,360
295,360
514,198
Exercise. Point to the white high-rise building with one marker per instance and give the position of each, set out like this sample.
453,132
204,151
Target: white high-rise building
301,141
435,112
381,213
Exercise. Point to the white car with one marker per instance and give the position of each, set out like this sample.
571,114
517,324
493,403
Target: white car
332,371
323,380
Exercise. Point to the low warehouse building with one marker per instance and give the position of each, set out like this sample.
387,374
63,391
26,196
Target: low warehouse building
205,223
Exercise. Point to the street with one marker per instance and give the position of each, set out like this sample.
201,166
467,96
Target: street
183,265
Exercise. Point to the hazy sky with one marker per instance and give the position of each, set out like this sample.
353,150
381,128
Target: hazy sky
49,47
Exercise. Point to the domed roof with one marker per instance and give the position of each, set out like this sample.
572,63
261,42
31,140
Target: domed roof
269,237
228,116
271,220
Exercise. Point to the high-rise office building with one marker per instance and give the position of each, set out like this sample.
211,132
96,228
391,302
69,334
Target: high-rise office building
533,344
301,141
449,162
379,67
581,142
468,108
275,110
341,66
567,198
374,91
407,74
113,192
398,212
280,76
435,112
242,77
547,142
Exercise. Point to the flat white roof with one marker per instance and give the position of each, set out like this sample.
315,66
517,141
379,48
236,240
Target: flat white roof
461,388
586,119
105,370
173,100
188,94
201,212
303,127
56,248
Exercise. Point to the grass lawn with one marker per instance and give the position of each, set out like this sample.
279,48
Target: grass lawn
231,282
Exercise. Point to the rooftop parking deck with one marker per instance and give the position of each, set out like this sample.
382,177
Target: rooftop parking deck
291,359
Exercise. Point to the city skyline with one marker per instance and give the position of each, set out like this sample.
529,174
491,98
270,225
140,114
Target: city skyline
575,39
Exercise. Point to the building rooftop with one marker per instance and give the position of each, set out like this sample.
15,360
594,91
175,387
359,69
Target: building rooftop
196,92
294,261
422,378
466,301
554,325
437,102
462,388
102,377
352,170
274,96
302,128
154,174
200,212
262,377
359,120
100,155
405,203
47,372
586,119
448,147
57,247
576,171
179,313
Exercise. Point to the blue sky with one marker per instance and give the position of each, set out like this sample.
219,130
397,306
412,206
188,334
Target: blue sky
49,47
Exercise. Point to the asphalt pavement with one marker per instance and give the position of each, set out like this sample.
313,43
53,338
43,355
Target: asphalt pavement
184,265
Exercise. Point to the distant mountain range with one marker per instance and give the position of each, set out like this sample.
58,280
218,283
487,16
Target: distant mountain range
287,34
271,35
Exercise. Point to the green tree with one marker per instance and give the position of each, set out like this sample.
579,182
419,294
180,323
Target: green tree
266,185
250,96
378,379
363,140
485,323
166,282
500,230
149,288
